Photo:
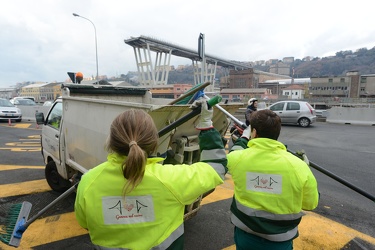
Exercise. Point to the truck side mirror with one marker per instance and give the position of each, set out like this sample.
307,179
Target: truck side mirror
39,117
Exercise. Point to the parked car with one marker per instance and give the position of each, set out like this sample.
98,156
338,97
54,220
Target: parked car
9,111
23,102
294,112
47,103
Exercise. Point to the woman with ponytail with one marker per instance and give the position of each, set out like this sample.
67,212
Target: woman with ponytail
132,201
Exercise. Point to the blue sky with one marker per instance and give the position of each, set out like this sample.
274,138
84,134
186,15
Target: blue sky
41,40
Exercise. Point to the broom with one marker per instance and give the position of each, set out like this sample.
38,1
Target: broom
14,218
10,214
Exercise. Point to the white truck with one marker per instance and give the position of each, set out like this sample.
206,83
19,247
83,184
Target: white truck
77,125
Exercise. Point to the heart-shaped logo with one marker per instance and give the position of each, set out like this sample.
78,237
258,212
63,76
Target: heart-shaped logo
264,181
129,207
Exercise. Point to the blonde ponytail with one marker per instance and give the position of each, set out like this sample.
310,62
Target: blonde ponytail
133,134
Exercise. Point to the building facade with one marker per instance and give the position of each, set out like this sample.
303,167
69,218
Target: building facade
367,86
338,86
244,94
172,91
294,92
42,91
249,78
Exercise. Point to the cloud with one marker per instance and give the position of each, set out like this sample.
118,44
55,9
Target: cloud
42,40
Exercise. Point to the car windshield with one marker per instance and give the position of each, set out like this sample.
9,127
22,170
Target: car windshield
27,102
5,103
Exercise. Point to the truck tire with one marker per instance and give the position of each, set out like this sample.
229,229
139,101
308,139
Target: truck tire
54,179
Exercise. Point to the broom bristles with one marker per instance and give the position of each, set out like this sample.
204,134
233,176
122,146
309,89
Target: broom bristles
8,220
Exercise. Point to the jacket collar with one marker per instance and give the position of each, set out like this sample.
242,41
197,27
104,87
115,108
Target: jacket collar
119,159
265,143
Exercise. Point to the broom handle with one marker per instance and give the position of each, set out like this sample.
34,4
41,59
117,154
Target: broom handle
211,102
190,92
58,199
312,164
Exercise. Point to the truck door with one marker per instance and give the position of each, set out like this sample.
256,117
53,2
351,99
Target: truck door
51,133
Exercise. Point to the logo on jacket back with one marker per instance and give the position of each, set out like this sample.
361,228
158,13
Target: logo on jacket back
128,210
266,183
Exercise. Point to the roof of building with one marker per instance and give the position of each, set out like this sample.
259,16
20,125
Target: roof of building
288,81
52,84
294,87
247,90
36,85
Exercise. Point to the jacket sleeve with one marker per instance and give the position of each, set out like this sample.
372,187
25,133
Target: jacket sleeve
79,207
310,192
240,143
213,151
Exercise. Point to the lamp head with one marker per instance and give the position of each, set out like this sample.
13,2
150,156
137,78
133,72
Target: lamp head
74,14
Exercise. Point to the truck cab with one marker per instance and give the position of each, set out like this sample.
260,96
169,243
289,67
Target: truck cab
77,126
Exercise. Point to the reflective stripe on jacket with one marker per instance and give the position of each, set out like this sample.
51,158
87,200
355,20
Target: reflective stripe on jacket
272,186
151,216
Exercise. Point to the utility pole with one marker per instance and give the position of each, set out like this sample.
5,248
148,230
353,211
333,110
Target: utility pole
96,45
201,53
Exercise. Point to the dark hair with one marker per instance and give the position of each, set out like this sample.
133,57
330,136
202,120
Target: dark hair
267,123
133,133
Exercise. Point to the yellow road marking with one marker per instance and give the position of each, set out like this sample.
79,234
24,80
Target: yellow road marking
49,229
318,232
28,187
33,137
315,231
11,167
23,144
30,149
22,125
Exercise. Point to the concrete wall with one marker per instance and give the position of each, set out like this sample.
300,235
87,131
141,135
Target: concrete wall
28,112
345,115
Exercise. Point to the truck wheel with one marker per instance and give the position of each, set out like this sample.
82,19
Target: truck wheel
54,179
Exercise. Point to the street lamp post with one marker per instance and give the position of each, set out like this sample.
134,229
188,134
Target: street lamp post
96,44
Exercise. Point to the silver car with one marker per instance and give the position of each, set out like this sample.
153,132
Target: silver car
9,111
294,112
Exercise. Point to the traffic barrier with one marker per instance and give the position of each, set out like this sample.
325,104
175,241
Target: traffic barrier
9,122
349,115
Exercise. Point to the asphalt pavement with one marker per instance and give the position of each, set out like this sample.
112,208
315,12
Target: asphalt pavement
343,219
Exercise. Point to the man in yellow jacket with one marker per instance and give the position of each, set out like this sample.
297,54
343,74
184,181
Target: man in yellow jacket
272,187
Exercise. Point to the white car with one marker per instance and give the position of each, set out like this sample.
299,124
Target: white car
9,111
294,112
23,102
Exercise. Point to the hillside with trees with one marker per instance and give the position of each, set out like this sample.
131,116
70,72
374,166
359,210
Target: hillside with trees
363,61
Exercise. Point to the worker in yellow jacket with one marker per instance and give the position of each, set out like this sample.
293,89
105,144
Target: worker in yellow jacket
272,187
131,201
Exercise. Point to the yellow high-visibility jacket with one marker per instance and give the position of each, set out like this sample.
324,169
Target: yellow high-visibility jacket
151,216
272,187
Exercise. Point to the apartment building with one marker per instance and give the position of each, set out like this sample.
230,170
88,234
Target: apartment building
249,78
42,91
339,86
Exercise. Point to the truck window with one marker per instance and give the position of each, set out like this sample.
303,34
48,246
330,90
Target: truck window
55,115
